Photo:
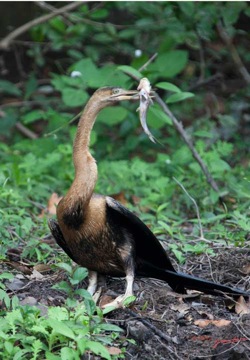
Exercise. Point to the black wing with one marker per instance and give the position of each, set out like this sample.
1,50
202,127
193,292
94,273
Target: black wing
147,246
56,232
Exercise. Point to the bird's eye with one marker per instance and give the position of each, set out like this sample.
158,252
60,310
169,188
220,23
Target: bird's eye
115,91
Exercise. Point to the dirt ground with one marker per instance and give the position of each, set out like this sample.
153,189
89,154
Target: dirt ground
166,325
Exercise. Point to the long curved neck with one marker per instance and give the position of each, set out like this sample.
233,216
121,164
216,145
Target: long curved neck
82,139
85,166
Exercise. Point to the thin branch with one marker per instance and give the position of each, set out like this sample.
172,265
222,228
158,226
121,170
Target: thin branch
45,6
200,83
178,126
5,43
196,207
234,52
25,131
143,67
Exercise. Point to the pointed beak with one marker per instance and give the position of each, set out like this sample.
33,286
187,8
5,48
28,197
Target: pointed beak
126,95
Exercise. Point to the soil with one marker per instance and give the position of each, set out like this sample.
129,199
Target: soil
166,325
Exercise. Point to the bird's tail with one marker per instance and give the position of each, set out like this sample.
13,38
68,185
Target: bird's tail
179,281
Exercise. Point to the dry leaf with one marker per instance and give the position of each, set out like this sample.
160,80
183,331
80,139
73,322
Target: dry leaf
242,307
219,323
181,308
42,268
246,269
120,197
113,350
36,275
51,206
104,300
19,267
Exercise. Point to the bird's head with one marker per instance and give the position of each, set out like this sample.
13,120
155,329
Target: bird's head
112,95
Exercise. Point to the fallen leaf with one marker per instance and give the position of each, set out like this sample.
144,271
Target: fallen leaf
36,275
19,267
29,300
42,268
242,307
113,350
246,269
219,323
51,206
104,300
181,308
120,197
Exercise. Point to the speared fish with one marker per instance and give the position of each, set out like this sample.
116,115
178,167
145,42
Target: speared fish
145,100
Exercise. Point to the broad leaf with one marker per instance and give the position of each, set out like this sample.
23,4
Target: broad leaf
112,116
98,349
74,97
61,328
130,70
168,86
170,63
8,87
179,97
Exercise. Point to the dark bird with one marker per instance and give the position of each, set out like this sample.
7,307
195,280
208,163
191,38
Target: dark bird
100,234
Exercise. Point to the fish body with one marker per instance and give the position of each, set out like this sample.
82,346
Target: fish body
145,100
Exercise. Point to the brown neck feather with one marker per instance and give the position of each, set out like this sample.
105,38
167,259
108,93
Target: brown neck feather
85,166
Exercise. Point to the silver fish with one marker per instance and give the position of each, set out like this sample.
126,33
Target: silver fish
145,101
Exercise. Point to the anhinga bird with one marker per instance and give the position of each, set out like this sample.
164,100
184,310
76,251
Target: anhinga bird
100,234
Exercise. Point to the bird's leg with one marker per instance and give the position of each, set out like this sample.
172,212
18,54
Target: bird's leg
118,302
93,276
130,274
93,282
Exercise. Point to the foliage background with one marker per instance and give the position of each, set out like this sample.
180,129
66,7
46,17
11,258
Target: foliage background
48,74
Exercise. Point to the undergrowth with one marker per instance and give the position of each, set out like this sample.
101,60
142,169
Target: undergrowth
130,167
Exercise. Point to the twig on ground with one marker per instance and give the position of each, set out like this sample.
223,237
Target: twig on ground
151,327
196,207
5,43
234,52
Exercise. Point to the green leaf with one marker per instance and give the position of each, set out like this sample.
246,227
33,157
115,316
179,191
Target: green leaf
130,70
51,356
6,275
99,14
32,116
58,24
160,115
83,293
179,97
74,97
129,300
112,116
68,354
204,134
8,87
80,273
61,328
187,7
89,71
98,349
168,86
65,267
170,63
110,327
90,306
